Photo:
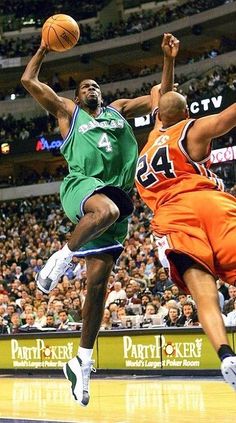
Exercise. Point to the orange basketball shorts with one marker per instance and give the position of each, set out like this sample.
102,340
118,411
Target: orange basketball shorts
201,224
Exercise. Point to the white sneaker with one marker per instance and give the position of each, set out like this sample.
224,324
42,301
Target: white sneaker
79,376
228,369
50,274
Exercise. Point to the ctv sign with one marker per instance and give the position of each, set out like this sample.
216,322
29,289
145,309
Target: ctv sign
206,104
44,144
210,105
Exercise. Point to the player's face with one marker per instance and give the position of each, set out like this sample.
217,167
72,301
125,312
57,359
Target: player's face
89,94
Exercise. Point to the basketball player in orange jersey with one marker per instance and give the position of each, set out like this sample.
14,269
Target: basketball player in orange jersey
194,220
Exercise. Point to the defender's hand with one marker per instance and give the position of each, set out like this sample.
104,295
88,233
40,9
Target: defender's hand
170,45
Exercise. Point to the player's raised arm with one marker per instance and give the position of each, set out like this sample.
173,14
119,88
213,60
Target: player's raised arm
47,98
170,48
205,129
133,107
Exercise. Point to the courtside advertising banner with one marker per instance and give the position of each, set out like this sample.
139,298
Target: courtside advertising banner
37,353
161,351
126,350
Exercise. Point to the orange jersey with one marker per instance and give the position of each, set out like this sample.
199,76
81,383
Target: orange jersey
165,169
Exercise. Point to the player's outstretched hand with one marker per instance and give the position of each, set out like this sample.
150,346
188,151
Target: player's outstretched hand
170,45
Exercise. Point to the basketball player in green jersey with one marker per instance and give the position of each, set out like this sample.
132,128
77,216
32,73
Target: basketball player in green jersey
101,152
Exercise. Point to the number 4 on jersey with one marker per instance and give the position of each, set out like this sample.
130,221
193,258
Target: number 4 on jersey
160,163
105,143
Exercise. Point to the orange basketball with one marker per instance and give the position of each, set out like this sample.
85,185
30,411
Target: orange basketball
60,32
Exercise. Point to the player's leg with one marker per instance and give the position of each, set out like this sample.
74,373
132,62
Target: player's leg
222,236
79,368
99,214
203,289
98,272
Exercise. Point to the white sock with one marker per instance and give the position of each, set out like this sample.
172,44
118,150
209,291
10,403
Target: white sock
85,354
66,252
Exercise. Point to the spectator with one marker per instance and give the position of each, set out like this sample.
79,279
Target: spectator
24,134
113,308
223,288
229,304
64,320
136,287
40,319
161,311
182,298
106,321
221,300
10,310
30,324
150,309
163,282
28,310
130,297
2,289
118,295
145,300
172,317
175,292
50,324
75,310
15,323
4,327
121,312
231,316
189,316
166,296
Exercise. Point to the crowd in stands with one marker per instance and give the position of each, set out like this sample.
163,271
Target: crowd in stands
135,23
200,87
18,14
59,83
140,292
20,130
30,176
213,83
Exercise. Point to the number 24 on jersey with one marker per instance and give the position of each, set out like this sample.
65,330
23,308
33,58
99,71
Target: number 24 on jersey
148,170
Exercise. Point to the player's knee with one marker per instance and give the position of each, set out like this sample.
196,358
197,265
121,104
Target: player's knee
109,214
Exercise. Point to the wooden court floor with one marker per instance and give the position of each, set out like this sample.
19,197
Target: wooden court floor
118,400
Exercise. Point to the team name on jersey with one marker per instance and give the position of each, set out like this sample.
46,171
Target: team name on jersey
92,124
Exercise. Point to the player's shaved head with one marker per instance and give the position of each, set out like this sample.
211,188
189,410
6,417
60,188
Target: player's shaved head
172,108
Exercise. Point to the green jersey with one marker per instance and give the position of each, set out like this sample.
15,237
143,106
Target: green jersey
103,147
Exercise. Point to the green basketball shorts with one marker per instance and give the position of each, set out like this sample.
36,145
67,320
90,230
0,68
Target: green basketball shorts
74,191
